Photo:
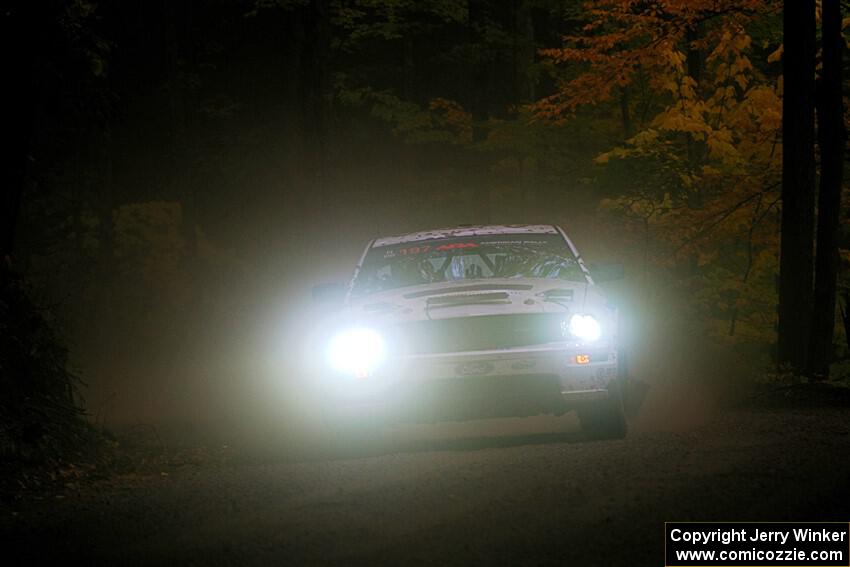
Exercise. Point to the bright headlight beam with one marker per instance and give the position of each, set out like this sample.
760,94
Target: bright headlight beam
357,351
585,327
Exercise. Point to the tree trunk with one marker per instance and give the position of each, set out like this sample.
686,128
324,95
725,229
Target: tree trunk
528,50
522,52
798,173
409,73
696,148
523,92
625,115
694,57
831,141
16,23
313,93
477,170
845,317
176,31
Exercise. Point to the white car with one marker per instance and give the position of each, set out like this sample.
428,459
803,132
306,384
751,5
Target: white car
473,322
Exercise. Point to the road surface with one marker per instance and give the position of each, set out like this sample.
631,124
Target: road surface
509,492
522,492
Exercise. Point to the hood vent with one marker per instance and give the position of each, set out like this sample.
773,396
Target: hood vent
468,299
465,288
566,294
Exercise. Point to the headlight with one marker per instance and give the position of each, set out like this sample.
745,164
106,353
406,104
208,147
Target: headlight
357,351
585,327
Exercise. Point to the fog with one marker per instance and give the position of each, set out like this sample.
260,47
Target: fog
232,355
197,171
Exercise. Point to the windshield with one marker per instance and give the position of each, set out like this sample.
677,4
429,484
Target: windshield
467,258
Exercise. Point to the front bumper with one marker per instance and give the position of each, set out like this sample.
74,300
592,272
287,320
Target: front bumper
495,383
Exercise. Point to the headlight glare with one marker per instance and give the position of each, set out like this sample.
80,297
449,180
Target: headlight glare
585,327
357,351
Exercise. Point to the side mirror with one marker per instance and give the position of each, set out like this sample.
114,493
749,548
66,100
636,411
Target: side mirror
607,272
329,293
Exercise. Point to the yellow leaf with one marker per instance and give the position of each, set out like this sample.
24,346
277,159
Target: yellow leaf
776,55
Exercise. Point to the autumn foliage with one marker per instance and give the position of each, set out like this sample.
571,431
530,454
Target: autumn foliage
676,108
709,149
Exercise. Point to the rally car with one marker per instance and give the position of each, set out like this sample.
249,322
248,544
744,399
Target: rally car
475,322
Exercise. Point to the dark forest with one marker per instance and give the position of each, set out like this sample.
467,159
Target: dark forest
183,179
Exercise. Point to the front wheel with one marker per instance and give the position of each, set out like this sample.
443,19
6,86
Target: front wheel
605,419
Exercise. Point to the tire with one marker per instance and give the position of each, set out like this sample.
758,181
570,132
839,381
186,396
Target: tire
622,366
605,419
623,379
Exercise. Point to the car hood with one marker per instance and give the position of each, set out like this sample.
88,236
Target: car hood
470,298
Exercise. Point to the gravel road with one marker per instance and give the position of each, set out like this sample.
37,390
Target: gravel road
518,491
514,492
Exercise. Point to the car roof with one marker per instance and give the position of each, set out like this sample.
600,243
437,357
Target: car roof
465,230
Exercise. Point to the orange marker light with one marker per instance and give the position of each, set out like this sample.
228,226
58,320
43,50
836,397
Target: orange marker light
582,358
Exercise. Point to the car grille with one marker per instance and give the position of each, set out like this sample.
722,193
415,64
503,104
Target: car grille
485,332
479,398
